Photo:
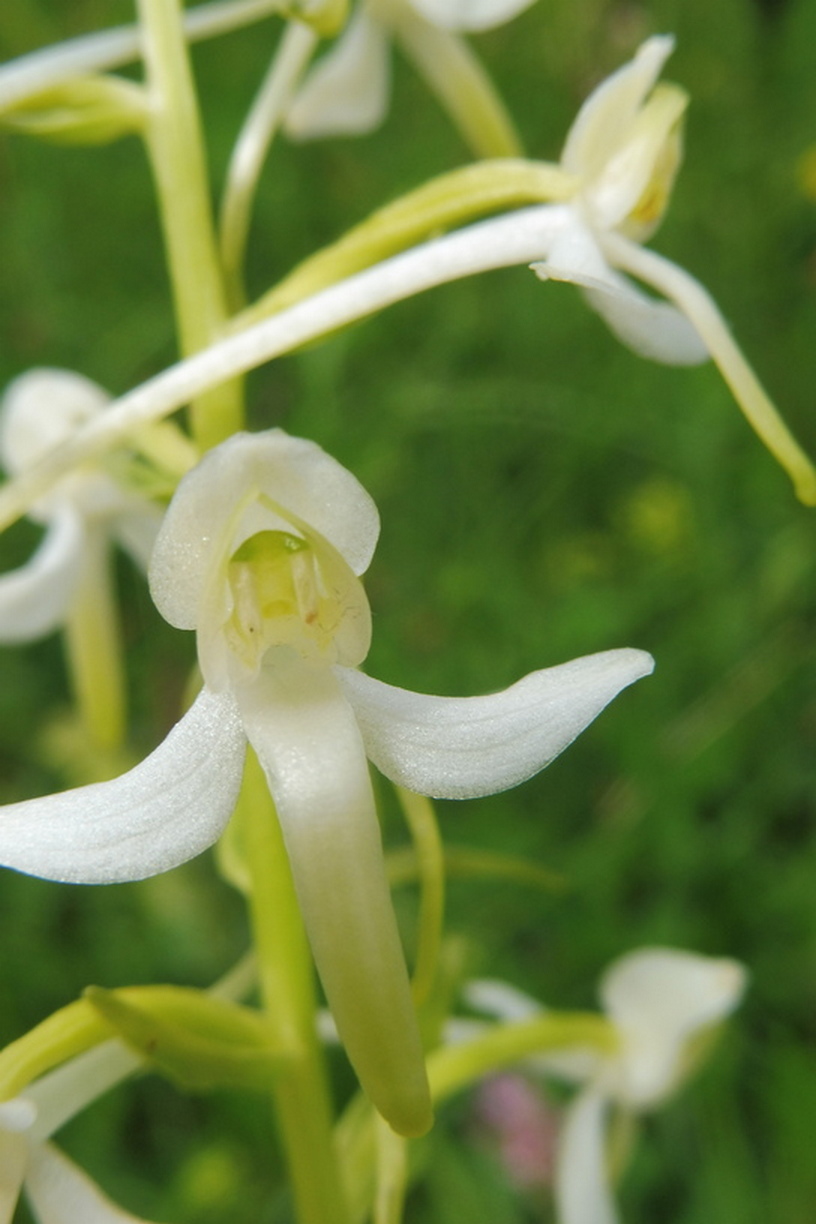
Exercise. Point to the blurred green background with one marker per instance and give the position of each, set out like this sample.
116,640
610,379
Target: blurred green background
544,494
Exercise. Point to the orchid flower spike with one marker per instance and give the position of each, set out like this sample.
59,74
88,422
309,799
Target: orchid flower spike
67,583
347,92
58,1191
661,1001
261,552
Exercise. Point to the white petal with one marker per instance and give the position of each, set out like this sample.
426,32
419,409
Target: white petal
41,409
582,1190
34,599
168,809
469,14
603,121
652,328
659,998
205,521
61,1193
13,1160
462,747
346,93
306,738
62,1093
495,998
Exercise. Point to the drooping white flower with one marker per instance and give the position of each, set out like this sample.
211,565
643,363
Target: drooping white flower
260,552
661,1001
58,1191
348,90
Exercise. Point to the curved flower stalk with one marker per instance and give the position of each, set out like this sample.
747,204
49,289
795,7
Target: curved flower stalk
261,552
348,91
662,1002
67,583
58,1191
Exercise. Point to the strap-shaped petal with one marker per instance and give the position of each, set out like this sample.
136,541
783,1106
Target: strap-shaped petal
169,808
659,998
470,14
463,747
61,1193
204,522
34,599
347,92
582,1190
652,328
306,738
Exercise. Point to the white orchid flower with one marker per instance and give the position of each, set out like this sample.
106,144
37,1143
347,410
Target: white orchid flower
348,90
40,411
67,583
661,1002
58,1191
260,552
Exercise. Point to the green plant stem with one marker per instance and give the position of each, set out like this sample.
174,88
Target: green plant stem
176,150
94,647
300,1095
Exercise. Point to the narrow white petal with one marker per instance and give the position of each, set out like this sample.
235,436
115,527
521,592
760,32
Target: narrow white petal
582,1191
61,1193
34,599
659,998
469,14
13,1160
204,523
603,121
518,238
62,1093
652,328
307,741
346,93
168,809
462,747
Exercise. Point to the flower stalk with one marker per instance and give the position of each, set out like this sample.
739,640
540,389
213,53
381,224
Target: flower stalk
176,150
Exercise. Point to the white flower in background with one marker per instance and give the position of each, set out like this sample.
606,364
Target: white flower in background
58,1191
260,552
81,514
661,1001
348,90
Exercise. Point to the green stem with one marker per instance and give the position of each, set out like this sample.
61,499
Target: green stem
300,1095
94,646
176,150
251,148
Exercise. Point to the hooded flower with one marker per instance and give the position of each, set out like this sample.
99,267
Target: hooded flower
260,552
347,92
661,1002
57,1190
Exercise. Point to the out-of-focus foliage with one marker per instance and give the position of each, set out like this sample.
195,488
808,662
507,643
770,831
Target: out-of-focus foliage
544,493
